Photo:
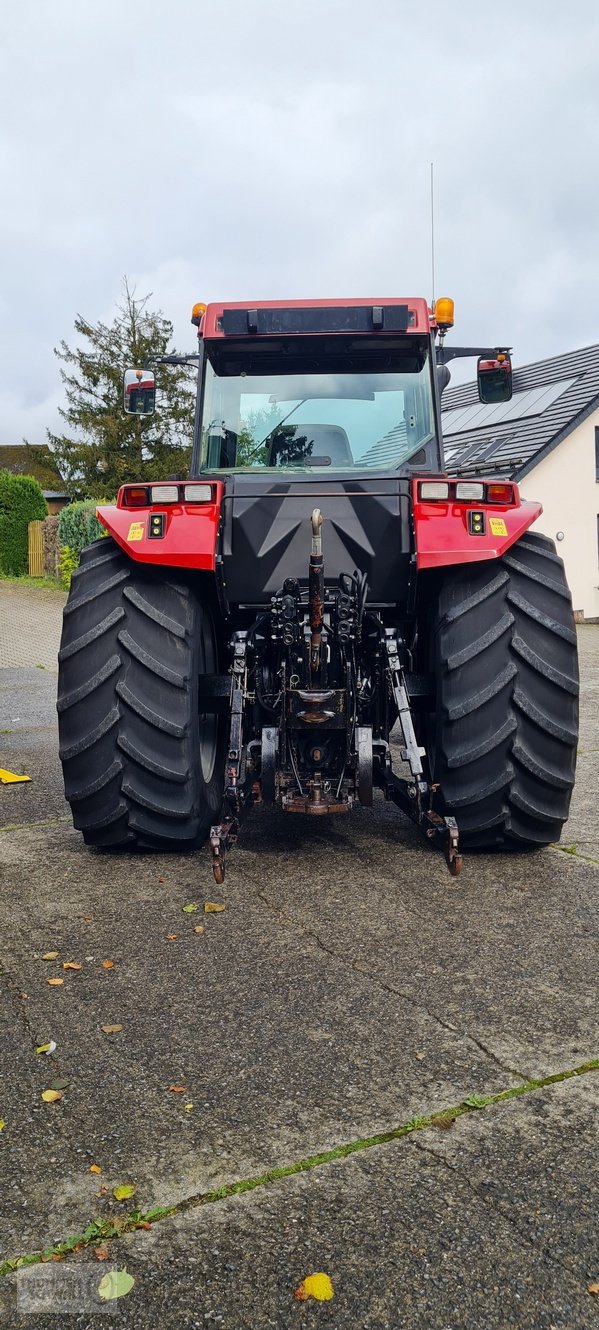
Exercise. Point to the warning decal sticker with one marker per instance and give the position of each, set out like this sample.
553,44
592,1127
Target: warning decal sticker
136,531
497,526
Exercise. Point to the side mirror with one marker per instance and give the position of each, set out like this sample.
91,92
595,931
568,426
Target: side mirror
494,379
139,392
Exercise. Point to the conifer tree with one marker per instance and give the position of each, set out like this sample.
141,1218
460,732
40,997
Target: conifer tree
105,447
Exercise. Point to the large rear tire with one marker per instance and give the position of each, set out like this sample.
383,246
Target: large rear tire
141,767
501,643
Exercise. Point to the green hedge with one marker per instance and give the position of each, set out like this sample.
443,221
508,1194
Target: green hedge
78,526
21,502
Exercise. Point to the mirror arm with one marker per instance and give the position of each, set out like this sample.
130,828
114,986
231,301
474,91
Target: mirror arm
192,358
445,353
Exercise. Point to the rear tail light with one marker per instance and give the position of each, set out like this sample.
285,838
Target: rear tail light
500,493
164,493
197,493
136,496
470,489
434,489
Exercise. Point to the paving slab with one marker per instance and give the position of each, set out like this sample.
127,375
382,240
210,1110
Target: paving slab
30,625
487,1225
349,985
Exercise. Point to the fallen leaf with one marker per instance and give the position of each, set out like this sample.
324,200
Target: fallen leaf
316,1286
101,1253
187,1108
211,907
2,1124
88,918
59,1085
71,965
143,1223
51,1096
420,1057
442,1123
115,1285
107,965
162,879
123,1192
592,1288
199,928
23,995
58,1256
50,955
171,937
112,1029
55,983
46,1048
95,1168
177,1089
102,1192
189,909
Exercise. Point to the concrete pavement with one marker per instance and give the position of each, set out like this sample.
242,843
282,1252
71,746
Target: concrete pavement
349,987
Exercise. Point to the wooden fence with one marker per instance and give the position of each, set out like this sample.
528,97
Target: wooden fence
36,549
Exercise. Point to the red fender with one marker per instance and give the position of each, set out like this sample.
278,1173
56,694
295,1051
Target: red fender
442,534
190,531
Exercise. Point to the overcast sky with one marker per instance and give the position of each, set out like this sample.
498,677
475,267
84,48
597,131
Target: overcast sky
247,149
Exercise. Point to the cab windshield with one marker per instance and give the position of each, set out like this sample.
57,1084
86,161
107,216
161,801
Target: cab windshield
366,411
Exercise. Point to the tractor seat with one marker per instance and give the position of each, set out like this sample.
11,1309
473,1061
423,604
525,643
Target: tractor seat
328,442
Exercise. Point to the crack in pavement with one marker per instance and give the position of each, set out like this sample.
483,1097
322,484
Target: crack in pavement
552,1258
115,1226
381,983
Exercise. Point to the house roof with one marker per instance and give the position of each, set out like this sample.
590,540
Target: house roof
550,398
26,459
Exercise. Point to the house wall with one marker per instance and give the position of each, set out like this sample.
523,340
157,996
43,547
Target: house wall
565,484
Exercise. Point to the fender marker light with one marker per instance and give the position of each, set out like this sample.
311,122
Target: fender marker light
500,493
434,489
197,493
470,489
164,493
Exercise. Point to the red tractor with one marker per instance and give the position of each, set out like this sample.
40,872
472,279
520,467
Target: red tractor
254,633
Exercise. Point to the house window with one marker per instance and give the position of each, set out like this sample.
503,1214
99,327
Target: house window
596,452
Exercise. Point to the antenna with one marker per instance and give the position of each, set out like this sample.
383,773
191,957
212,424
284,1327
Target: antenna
433,230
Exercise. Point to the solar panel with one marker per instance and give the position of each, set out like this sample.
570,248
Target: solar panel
531,402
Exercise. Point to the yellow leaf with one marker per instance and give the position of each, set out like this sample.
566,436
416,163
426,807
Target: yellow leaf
171,937
199,928
187,1108
188,909
51,1096
316,1286
115,1285
2,1124
107,965
123,1192
71,965
112,1029
55,982
211,907
50,956
95,1168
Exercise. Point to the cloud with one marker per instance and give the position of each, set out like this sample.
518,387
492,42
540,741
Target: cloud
283,150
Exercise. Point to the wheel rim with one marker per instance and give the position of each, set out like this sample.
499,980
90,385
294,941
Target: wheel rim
208,721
